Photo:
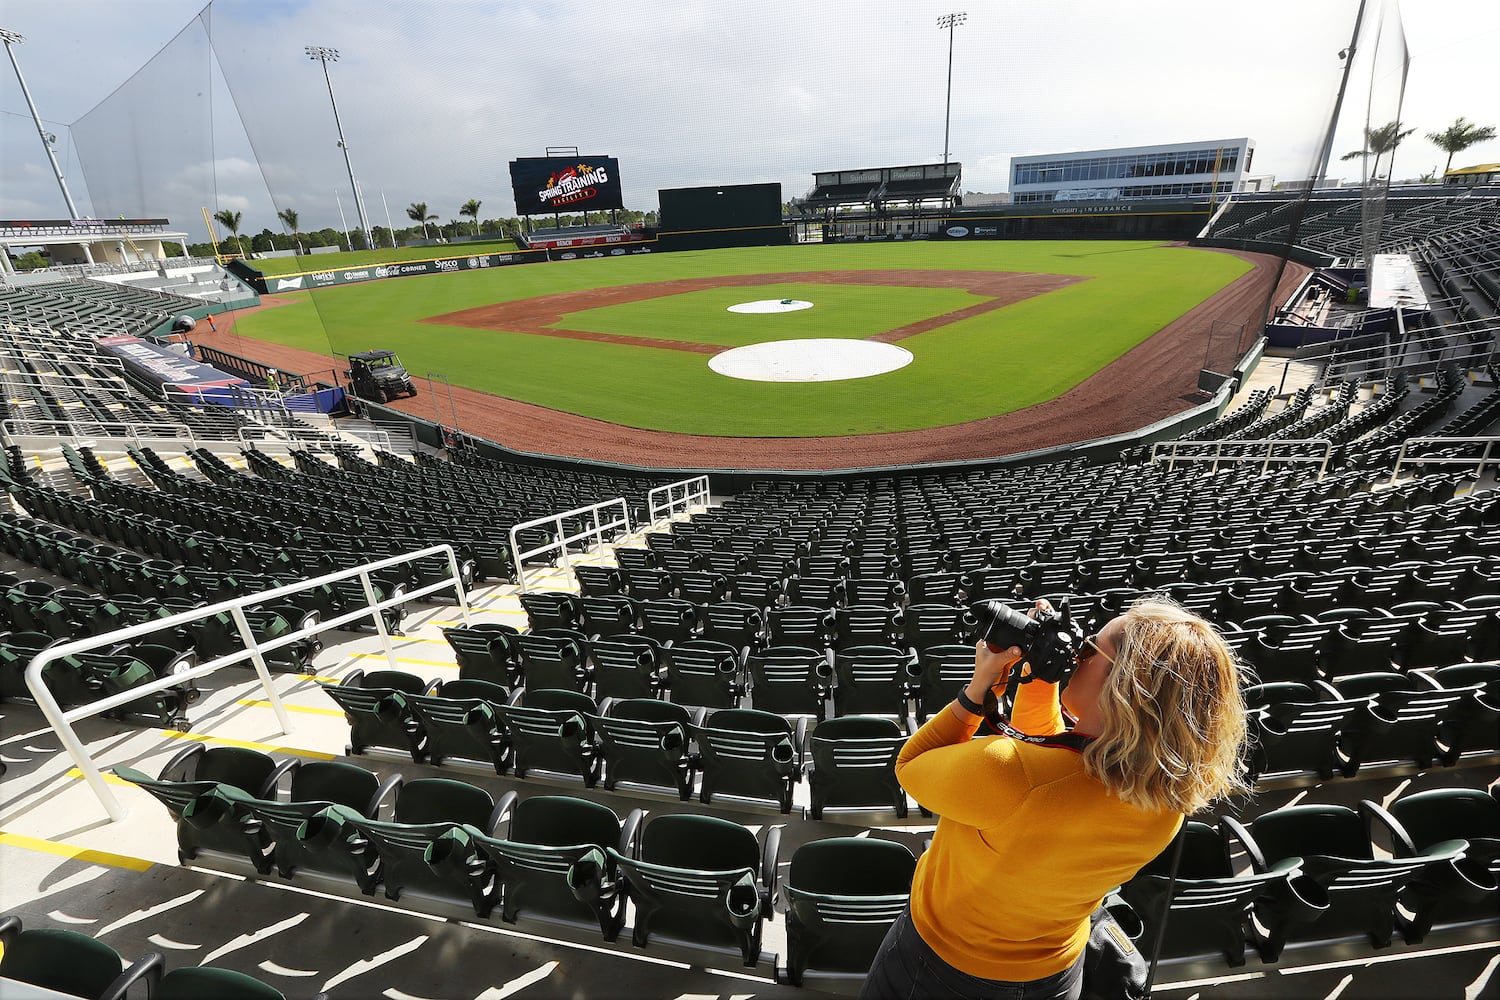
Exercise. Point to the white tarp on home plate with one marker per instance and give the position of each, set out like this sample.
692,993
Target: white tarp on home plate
822,360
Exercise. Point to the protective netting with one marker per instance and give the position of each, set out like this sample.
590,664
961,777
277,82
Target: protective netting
1384,131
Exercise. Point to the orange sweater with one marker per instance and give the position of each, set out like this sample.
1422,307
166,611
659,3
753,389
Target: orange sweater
1026,847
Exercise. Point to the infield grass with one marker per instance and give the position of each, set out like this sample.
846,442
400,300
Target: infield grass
997,362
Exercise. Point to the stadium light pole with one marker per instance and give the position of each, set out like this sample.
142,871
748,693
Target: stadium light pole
14,38
949,21
326,55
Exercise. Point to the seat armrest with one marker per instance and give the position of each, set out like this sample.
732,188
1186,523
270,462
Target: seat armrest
1231,831
148,968
800,736
268,787
770,864
504,811
176,768
1375,815
1425,681
630,833
10,926
386,790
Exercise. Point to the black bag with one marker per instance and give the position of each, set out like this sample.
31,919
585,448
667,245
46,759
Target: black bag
1113,967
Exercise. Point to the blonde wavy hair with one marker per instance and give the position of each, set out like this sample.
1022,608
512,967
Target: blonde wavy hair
1171,716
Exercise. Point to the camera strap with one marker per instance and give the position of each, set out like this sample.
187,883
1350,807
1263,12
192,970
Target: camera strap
1077,742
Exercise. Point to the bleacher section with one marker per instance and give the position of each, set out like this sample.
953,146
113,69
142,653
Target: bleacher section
664,767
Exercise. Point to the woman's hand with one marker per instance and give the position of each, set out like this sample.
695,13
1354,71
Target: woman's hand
991,670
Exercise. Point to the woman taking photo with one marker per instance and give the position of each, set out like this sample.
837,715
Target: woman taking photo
1033,834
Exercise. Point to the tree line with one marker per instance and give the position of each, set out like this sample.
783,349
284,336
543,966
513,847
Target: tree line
292,237
1382,141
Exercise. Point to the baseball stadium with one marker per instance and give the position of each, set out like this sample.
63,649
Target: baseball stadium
538,606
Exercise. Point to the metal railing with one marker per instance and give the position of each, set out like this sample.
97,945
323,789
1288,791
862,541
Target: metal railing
679,497
1263,450
1487,456
62,722
138,433
560,539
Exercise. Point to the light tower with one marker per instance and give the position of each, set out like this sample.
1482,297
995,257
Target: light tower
12,38
326,55
949,21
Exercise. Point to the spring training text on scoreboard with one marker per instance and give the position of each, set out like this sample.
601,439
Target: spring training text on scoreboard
572,183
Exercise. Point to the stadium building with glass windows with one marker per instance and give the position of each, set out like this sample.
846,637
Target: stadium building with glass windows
1172,170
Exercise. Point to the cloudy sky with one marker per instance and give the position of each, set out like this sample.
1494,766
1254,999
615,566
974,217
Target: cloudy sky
436,96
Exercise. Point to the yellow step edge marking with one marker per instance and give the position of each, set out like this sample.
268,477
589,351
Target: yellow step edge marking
174,734
76,853
113,780
320,679
402,659
305,709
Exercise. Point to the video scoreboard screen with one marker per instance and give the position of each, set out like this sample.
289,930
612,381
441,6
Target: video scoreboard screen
544,185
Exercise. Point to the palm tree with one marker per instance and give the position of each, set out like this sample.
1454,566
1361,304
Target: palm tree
471,209
288,217
1378,142
417,212
1460,136
231,221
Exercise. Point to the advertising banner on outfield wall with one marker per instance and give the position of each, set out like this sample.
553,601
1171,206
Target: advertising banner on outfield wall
565,184
399,269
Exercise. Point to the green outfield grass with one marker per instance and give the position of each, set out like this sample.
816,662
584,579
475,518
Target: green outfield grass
356,258
1002,360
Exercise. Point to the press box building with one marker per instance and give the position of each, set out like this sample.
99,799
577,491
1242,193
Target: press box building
1179,170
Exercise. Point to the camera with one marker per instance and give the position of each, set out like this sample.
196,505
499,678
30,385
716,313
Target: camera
1049,642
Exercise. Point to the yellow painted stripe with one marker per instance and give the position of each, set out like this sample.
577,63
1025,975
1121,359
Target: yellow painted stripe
76,853
320,679
112,779
403,659
304,709
266,747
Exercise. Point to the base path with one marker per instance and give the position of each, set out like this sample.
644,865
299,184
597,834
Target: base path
1154,380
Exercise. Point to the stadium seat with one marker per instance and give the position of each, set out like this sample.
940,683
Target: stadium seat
852,765
191,982
66,963
549,865
704,673
644,741
750,754
873,680
789,680
378,712
552,730
628,666
703,881
463,720
1331,845
843,894
1468,888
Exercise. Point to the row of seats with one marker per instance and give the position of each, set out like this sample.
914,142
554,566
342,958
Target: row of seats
630,744
1300,874
540,861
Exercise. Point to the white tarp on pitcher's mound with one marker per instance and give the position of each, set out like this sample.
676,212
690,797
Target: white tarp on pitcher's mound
771,306
823,360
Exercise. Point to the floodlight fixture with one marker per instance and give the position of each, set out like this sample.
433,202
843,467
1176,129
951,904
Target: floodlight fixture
949,21
325,55
16,38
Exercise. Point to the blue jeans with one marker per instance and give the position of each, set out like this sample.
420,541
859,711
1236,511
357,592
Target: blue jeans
905,968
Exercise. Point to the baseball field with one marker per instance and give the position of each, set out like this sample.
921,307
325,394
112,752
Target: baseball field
993,328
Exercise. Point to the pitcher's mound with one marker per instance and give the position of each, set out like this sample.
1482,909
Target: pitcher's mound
771,306
823,360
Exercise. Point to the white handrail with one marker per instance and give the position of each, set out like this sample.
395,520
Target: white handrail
1261,450
62,722
560,541
1483,459
133,431
694,493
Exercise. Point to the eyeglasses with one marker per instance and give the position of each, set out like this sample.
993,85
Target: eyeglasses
1090,646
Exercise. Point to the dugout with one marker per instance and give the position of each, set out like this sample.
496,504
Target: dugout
721,215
